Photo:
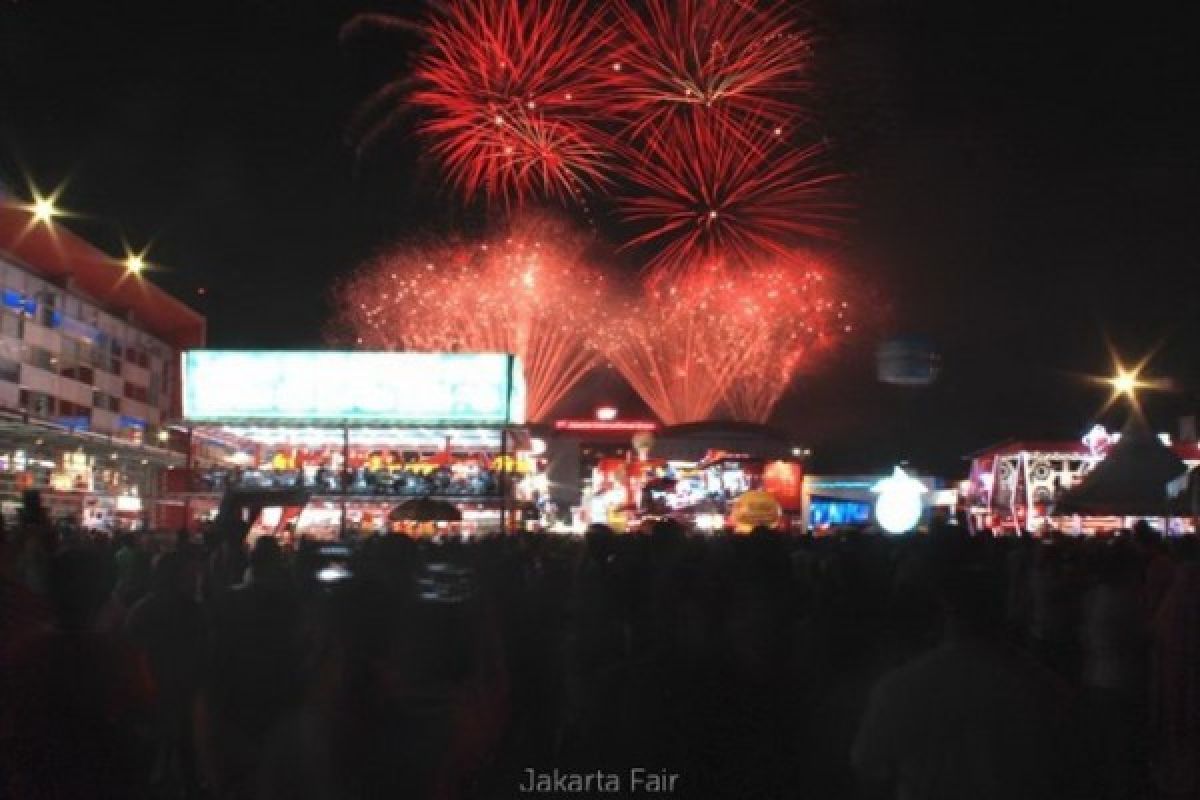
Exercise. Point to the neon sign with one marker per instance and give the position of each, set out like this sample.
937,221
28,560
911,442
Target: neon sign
609,426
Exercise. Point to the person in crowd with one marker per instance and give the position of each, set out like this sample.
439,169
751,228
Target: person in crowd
1175,683
1053,616
251,676
1114,636
167,625
972,718
74,699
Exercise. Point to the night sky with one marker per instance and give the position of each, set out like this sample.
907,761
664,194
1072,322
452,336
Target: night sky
1026,182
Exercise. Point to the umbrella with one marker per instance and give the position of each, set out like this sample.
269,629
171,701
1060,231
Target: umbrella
425,509
1131,480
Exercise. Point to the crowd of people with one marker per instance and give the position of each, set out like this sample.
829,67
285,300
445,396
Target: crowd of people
938,665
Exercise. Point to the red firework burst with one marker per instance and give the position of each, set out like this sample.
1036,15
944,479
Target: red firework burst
508,97
743,61
526,291
705,197
678,347
790,313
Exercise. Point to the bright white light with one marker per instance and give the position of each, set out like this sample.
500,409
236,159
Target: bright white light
606,413
1125,382
898,507
135,263
44,209
537,446
333,573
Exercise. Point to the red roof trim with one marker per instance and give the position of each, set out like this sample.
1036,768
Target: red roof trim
54,253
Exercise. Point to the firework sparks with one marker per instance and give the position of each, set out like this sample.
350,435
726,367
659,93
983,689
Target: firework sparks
527,291
704,197
678,348
736,340
507,98
741,61
790,313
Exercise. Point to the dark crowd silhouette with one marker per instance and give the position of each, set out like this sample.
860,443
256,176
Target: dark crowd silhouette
853,665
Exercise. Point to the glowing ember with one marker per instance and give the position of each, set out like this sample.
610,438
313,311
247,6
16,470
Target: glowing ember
526,291
507,97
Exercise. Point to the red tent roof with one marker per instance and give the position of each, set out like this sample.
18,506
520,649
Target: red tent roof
52,252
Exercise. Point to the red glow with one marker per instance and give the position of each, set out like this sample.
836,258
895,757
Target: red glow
612,426
526,291
702,196
506,97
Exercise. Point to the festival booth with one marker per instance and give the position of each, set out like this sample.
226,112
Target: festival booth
699,474
1138,478
836,502
1023,485
362,434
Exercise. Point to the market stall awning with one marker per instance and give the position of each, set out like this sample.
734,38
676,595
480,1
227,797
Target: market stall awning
1132,480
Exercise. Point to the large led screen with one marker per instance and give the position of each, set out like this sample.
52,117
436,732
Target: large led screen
352,387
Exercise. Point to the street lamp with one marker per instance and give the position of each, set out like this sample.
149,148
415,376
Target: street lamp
44,210
1125,382
135,263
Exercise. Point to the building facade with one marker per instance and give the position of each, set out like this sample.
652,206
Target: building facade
89,376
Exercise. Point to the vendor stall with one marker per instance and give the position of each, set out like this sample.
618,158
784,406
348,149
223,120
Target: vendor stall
361,432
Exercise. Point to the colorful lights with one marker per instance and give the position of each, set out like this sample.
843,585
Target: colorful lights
606,426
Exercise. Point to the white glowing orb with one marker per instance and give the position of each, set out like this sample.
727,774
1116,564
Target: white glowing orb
898,507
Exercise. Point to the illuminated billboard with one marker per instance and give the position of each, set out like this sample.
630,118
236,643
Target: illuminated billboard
353,387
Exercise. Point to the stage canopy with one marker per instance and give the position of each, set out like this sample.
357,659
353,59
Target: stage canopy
1131,481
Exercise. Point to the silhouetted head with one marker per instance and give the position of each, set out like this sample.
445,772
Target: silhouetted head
266,559
972,597
666,532
78,584
599,539
168,572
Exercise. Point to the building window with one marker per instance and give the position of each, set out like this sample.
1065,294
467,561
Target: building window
10,370
105,402
79,372
38,403
49,311
41,358
12,326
